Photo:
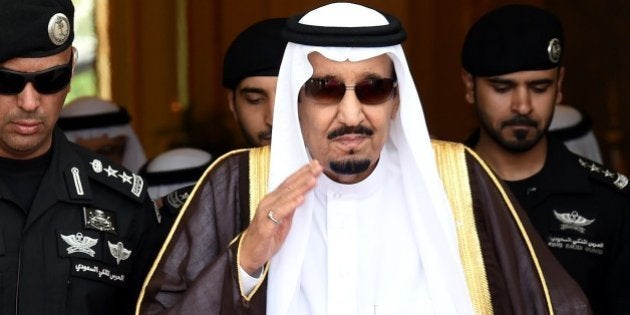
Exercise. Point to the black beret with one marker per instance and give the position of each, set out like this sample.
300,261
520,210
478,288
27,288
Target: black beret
257,51
365,36
513,38
35,28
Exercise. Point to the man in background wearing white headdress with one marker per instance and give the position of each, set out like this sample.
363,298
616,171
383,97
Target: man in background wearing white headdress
172,175
352,210
103,127
574,128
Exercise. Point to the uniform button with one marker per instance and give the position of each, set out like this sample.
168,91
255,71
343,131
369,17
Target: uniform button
531,191
337,195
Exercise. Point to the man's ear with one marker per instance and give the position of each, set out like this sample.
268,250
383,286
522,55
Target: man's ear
231,99
560,80
469,85
75,59
396,108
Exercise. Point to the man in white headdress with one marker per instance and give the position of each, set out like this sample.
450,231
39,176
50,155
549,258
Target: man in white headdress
174,169
170,177
574,128
103,127
352,210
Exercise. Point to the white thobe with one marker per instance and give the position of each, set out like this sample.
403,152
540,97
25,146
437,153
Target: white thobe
361,257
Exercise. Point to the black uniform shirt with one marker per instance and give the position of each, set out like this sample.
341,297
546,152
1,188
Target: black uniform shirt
582,211
87,242
22,177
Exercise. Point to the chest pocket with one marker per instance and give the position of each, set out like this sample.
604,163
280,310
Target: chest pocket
96,255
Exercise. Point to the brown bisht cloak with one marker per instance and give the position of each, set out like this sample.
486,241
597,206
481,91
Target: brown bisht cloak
509,270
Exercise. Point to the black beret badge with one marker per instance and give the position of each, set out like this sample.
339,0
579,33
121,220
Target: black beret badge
554,49
59,29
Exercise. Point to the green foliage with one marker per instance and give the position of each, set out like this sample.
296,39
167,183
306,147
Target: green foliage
83,83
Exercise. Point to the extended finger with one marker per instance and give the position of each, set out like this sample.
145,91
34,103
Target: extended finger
300,182
290,194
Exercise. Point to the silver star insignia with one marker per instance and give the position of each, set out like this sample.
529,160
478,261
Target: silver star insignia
583,163
111,172
125,178
595,168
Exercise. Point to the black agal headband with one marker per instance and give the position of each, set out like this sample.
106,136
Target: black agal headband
190,174
121,117
364,36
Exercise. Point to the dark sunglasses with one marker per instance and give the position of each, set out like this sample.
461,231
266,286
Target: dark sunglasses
331,91
49,81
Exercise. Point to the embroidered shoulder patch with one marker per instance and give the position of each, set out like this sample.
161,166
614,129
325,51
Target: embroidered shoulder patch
118,178
605,175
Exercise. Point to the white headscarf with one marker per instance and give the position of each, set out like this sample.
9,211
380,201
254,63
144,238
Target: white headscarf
176,168
566,117
426,200
134,156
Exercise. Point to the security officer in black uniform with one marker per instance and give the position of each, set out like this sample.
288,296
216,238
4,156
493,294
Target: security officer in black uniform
76,231
513,76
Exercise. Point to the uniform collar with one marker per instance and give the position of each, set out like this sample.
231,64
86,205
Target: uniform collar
561,172
64,164
563,169
68,164
63,159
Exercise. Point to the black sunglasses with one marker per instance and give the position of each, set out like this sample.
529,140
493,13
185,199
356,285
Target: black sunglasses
330,91
49,81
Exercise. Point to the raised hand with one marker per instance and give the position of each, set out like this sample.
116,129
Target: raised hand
272,221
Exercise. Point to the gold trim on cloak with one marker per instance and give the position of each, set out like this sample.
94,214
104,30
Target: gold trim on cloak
171,233
451,161
519,224
258,177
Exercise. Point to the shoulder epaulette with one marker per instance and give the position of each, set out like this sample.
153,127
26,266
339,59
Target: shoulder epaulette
116,177
605,175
